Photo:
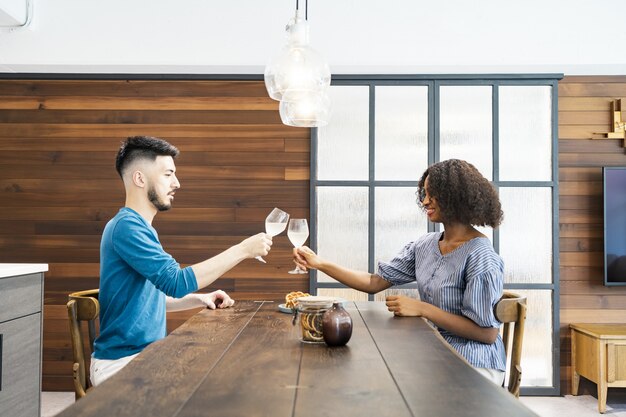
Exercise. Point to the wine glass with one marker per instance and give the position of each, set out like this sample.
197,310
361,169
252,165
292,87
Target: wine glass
298,233
275,223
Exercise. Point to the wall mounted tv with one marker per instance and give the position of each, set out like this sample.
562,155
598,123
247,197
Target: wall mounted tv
614,179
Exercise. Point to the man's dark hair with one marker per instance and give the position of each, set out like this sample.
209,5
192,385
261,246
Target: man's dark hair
462,193
142,147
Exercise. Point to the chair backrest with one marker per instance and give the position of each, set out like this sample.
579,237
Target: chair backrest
83,306
511,311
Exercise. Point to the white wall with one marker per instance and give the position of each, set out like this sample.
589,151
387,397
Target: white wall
367,36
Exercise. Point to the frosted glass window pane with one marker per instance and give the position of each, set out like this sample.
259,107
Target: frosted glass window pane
342,227
487,231
537,344
401,132
525,133
465,125
343,145
399,221
347,293
526,234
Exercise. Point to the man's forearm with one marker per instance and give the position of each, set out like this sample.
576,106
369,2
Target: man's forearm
208,271
179,304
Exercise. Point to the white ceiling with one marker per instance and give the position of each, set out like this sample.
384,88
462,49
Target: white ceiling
356,36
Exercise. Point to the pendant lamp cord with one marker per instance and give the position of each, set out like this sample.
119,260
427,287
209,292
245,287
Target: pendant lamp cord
306,8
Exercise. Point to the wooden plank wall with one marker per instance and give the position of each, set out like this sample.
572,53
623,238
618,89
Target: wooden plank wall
58,141
57,146
583,112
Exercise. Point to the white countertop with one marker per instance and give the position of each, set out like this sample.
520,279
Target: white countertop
11,270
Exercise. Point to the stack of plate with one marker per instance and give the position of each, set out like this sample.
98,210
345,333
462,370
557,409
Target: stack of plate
314,301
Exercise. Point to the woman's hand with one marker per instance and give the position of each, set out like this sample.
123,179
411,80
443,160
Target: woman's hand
401,305
305,258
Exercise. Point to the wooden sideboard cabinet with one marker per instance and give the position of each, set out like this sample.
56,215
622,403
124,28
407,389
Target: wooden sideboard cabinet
599,354
21,301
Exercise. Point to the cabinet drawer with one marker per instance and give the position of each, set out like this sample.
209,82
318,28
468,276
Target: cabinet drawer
20,295
616,360
20,383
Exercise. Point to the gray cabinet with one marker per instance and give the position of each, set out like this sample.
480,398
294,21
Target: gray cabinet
20,345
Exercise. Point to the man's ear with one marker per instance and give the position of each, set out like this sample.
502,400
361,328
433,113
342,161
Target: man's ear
139,179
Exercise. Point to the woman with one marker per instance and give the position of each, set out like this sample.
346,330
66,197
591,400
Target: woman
458,274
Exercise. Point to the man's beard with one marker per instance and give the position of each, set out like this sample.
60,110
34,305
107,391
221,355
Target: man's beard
154,199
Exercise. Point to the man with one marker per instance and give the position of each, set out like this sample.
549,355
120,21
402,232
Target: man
139,281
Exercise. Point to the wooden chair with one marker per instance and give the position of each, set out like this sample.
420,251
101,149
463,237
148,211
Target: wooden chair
82,306
511,310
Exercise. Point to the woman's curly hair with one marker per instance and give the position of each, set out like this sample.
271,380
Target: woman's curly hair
462,193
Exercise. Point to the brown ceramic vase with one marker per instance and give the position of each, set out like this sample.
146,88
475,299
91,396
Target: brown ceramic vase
336,326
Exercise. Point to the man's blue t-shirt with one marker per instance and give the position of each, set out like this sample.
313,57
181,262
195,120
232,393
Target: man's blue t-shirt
135,276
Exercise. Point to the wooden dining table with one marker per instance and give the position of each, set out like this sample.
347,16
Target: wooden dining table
248,360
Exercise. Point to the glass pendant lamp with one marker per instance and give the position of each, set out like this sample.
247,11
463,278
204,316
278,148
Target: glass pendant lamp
309,110
299,78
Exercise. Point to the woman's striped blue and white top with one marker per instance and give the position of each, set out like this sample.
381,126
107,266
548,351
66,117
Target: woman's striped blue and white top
467,282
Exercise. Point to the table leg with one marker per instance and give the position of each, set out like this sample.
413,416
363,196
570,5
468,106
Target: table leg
602,377
575,376
602,391
575,382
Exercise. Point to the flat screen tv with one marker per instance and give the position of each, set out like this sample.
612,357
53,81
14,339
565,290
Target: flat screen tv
614,179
